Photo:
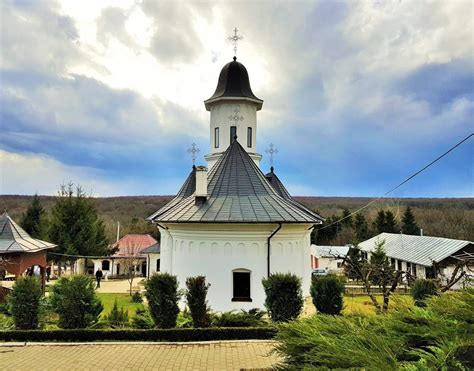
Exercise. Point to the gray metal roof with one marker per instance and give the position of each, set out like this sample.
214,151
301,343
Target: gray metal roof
14,239
422,250
154,249
331,251
238,192
276,183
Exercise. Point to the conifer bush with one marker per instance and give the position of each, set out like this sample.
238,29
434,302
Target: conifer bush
142,320
327,294
75,301
196,294
284,298
162,295
118,317
25,302
422,290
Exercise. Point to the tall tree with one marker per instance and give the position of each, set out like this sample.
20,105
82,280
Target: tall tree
391,225
347,218
75,227
34,221
385,222
409,225
379,223
361,228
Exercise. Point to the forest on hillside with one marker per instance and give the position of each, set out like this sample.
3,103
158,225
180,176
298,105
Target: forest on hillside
450,217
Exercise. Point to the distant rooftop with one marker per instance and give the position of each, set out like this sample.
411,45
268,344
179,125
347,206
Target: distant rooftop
422,250
133,245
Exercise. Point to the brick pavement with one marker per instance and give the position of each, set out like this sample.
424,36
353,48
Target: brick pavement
224,355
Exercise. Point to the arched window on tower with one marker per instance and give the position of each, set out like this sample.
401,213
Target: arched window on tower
241,285
249,137
216,137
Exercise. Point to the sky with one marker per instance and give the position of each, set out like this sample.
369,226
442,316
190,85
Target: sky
358,95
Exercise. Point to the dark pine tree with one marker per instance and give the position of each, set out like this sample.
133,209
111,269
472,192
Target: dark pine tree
379,223
409,225
347,220
75,226
390,223
34,221
361,228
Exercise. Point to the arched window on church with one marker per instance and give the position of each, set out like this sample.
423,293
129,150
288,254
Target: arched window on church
249,137
241,285
157,265
105,265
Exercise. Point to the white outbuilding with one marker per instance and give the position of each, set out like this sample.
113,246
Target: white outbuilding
232,223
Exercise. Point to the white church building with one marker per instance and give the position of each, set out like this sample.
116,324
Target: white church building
229,221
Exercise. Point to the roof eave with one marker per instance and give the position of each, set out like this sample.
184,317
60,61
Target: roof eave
211,101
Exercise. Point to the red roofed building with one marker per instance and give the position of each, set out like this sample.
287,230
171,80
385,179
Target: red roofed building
128,255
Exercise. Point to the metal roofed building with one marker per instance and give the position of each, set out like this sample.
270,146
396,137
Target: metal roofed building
234,224
153,259
18,250
422,256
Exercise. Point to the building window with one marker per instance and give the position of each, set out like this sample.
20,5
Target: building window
408,268
249,137
339,265
216,137
157,265
105,265
392,262
399,267
233,133
413,268
241,285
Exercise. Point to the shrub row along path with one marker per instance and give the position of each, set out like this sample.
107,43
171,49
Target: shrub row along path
223,355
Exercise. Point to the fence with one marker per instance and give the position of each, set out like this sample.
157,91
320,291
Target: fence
354,290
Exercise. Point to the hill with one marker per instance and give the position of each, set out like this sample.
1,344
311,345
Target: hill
444,217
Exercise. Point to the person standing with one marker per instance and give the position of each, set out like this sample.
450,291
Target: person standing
98,277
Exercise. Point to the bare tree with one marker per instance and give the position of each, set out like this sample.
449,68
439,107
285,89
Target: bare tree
131,260
376,271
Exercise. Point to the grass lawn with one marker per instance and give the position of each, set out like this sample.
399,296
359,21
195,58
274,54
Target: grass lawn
361,304
123,300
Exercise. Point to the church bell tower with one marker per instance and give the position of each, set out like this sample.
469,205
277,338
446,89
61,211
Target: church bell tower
233,108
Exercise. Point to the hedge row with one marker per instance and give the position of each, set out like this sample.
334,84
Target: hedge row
181,334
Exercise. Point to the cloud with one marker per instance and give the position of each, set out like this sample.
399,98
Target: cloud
356,93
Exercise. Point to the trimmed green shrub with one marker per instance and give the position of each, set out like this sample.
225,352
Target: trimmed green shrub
137,297
75,301
162,295
252,318
25,303
422,290
142,320
181,334
117,317
196,298
284,298
327,294
6,322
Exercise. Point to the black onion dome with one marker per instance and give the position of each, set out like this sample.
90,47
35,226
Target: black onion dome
234,82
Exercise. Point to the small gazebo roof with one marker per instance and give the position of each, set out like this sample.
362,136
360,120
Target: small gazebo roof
13,239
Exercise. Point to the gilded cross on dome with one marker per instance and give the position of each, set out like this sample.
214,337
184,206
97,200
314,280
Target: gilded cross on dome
271,151
234,39
236,116
193,151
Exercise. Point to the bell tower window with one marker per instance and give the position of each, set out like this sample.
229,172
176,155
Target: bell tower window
233,133
216,137
249,137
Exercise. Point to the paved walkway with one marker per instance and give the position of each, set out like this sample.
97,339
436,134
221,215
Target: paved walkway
224,355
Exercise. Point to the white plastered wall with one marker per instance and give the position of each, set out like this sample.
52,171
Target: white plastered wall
216,250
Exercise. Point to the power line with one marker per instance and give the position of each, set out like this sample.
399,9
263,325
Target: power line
399,185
